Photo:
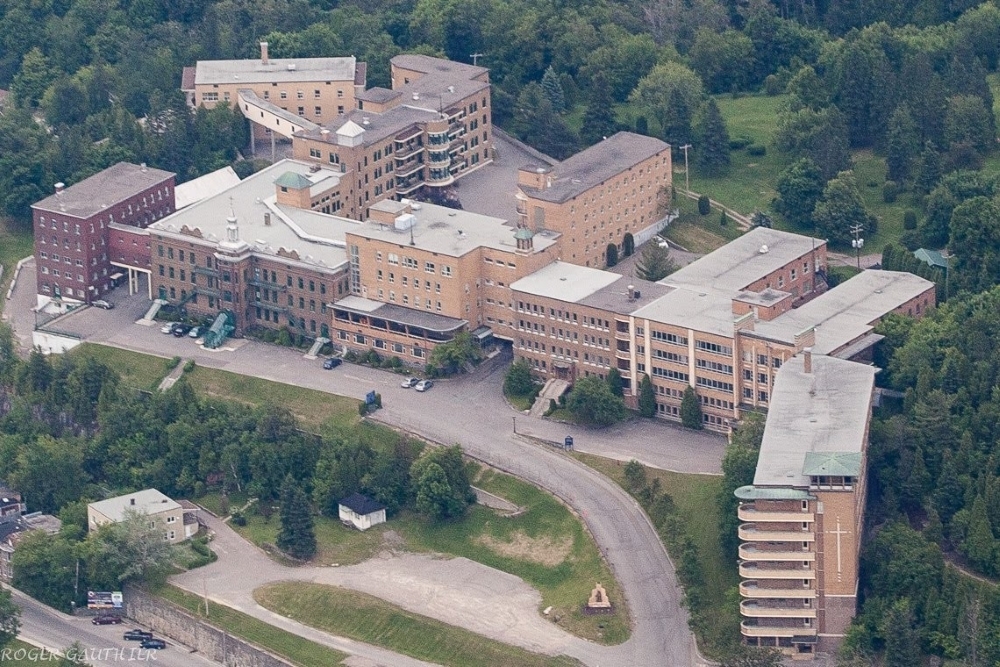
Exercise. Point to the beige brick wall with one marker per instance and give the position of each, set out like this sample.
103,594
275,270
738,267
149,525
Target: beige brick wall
331,97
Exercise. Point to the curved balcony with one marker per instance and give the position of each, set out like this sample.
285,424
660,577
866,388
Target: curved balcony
750,533
750,552
623,354
752,609
750,589
407,169
748,513
438,158
401,154
751,629
752,571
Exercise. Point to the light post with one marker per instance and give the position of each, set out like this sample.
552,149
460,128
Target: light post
687,180
857,242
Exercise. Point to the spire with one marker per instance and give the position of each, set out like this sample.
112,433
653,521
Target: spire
232,228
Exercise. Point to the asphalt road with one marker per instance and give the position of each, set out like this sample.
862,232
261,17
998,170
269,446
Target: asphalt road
43,626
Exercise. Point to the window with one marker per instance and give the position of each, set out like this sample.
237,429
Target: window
171,519
715,348
429,267
671,338
446,271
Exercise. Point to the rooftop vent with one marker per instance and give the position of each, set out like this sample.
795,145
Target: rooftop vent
365,121
60,187
267,218
416,96
131,501
451,89
763,249
415,206
291,67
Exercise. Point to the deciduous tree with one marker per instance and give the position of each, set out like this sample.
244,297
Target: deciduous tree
799,187
841,209
10,618
592,401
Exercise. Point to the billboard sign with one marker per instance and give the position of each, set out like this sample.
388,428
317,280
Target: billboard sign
104,600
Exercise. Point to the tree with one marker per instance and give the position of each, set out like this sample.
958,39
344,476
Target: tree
132,549
799,187
441,484
928,169
451,357
537,123
44,567
902,145
712,139
615,382
902,643
598,119
628,244
820,136
647,397
723,60
841,209
297,536
611,255
980,544
975,240
760,219
704,205
10,618
677,128
50,473
669,93
654,262
33,78
518,380
691,409
592,401
553,90
967,121
806,90
635,475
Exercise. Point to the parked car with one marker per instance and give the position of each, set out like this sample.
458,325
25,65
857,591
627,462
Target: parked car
195,332
152,642
137,635
332,362
409,382
107,619
182,330
424,385
168,328
101,303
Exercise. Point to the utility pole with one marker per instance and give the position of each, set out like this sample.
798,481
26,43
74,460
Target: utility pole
687,180
857,242
475,58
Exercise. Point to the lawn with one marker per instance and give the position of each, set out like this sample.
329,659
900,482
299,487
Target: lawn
699,233
695,497
297,650
19,654
369,619
15,245
141,371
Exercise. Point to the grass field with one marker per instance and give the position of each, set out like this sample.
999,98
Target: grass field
699,233
695,497
368,619
299,651
15,245
19,654
141,371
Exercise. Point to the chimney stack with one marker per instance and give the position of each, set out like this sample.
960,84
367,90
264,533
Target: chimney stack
807,360
267,218
59,188
131,501
263,53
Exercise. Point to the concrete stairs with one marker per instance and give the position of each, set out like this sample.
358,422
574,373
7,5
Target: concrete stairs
314,350
150,315
552,390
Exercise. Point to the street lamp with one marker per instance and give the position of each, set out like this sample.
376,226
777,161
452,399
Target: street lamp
687,180
857,243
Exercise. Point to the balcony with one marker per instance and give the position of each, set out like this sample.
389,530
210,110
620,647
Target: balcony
752,609
622,335
753,571
750,533
751,629
401,154
406,186
749,552
407,169
438,158
750,589
748,513
623,354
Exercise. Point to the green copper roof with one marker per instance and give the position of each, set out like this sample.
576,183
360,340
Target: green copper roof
771,493
292,180
932,257
523,233
837,464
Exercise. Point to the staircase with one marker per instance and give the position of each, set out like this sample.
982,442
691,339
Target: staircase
150,315
314,350
552,390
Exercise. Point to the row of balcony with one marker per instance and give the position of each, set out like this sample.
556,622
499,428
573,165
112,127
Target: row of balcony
750,589
755,571
752,609
750,513
754,552
749,532
751,629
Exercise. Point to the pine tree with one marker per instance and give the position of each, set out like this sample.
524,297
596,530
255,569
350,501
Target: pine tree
691,410
929,169
615,382
902,643
979,543
599,118
677,126
553,90
297,536
647,397
712,139
903,143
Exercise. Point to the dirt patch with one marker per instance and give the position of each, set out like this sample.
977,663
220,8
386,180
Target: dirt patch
541,550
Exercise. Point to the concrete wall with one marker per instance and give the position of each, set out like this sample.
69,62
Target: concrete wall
174,623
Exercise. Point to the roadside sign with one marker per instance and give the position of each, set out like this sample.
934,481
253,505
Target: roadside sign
370,398
104,600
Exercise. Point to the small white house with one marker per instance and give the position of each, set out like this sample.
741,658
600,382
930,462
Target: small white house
361,512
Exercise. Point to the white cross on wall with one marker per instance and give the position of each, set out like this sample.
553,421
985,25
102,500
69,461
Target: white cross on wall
838,533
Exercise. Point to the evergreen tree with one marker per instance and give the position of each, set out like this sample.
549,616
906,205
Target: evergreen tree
677,125
691,410
712,139
841,209
553,90
980,545
902,643
928,169
611,255
297,536
902,144
599,118
628,244
615,382
799,187
647,397
654,262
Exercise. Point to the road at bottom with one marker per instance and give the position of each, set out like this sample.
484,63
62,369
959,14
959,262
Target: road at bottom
103,644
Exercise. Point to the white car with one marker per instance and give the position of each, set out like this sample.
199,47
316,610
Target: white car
167,328
424,385
409,382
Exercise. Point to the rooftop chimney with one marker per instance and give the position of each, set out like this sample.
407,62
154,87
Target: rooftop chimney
142,167
267,218
807,360
263,53
131,501
59,188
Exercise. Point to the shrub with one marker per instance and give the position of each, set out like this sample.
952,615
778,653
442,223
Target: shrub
910,219
238,519
189,366
351,356
723,218
757,150
394,362
172,363
704,205
284,338
739,143
890,190
628,244
772,85
378,400
553,406
362,408
611,255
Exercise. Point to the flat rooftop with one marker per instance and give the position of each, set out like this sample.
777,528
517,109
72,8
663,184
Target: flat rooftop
592,166
277,70
204,187
317,238
413,317
450,231
377,127
589,287
812,416
147,501
105,188
692,307
846,312
432,65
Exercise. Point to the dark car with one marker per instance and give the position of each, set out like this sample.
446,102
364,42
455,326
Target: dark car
137,635
182,330
107,619
332,362
153,643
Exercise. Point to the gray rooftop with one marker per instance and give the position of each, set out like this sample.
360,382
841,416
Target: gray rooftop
377,126
103,189
450,231
567,282
292,119
820,413
691,307
594,165
848,311
147,501
378,95
766,297
205,186
432,65
318,238
276,71
409,316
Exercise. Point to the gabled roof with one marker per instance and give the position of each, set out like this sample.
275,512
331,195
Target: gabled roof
362,505
932,257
